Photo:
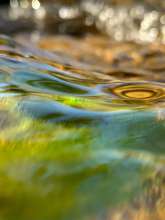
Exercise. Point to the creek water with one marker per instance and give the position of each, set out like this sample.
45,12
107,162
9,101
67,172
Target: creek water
82,124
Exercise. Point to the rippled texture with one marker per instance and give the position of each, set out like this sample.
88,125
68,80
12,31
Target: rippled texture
82,129
82,119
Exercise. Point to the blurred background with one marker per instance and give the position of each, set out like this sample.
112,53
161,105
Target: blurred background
137,20
3,2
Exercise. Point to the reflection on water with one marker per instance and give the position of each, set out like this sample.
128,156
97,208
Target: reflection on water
82,130
82,126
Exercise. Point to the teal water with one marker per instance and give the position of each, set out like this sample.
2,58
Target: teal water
81,139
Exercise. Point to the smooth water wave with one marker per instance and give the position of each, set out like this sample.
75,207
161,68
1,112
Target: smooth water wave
82,125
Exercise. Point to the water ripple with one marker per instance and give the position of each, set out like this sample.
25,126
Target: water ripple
77,124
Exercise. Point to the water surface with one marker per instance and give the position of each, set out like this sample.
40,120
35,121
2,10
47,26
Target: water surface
82,129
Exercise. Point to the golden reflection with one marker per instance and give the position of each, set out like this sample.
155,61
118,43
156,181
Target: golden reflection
82,116
141,94
139,91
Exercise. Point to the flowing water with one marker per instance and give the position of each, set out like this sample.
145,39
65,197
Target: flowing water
82,129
